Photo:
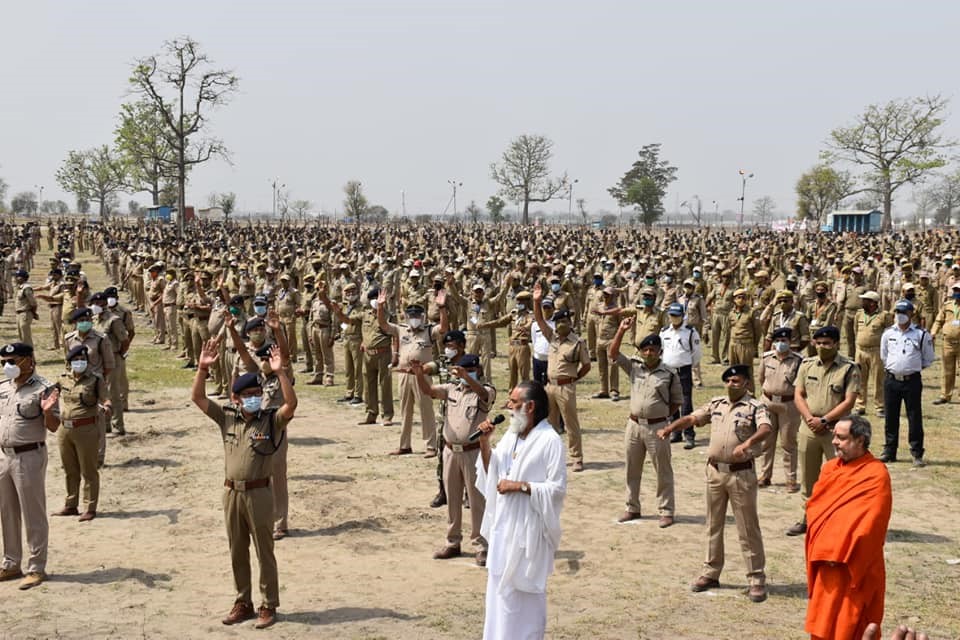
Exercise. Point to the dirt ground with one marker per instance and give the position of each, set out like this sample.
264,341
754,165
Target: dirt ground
357,564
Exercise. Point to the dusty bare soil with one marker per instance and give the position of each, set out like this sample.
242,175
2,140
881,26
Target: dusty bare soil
154,564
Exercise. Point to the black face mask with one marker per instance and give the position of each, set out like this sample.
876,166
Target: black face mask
821,294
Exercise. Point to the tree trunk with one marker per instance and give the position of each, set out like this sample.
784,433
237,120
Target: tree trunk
887,208
525,218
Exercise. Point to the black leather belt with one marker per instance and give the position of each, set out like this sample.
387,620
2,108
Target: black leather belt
246,485
731,467
23,448
903,378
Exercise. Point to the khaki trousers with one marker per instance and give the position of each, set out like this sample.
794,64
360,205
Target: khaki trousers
520,362
124,383
479,343
459,471
949,352
411,396
199,333
784,424
171,323
638,441
321,343
563,404
278,483
814,450
159,324
379,385
56,325
185,329
739,489
743,353
592,323
290,326
78,454
23,495
307,346
609,371
249,514
353,364
24,327
849,331
719,335
871,370
115,383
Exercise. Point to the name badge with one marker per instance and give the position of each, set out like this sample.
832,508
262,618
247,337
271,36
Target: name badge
343,326
956,323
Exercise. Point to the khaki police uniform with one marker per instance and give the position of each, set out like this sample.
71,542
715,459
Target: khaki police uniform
273,399
564,359
720,302
111,325
352,355
823,313
170,316
155,296
26,308
869,331
185,316
824,387
80,397
121,361
377,355
465,410
321,341
649,321
480,341
799,328
303,312
609,371
653,394
247,497
199,304
57,294
777,378
288,300
851,304
947,328
415,344
732,481
745,333
100,360
23,473
520,323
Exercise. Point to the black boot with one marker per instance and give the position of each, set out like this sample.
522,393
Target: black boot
440,499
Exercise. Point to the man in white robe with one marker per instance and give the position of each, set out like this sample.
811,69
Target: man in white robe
524,481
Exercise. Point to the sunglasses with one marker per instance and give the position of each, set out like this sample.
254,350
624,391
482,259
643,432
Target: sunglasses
8,361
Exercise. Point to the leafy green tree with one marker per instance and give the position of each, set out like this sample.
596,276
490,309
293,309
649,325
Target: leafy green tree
169,194
645,184
473,211
524,173
62,208
820,190
355,205
183,88
140,140
897,143
24,203
83,205
496,205
228,202
93,175
946,197
377,213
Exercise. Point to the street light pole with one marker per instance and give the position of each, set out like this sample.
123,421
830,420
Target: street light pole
716,212
743,192
570,197
40,200
454,184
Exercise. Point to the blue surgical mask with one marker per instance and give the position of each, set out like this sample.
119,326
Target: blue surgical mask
521,306
956,295
84,326
555,286
260,309
598,281
475,375
251,404
78,366
647,302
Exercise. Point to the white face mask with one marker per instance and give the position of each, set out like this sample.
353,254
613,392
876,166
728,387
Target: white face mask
449,354
373,304
97,309
78,366
518,422
111,302
415,322
903,319
781,347
12,371
521,306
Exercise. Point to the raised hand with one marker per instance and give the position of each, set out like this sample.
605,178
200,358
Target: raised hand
626,323
537,292
441,297
273,320
51,400
276,359
209,354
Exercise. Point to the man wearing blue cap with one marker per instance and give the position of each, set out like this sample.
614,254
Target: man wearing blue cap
906,350
251,435
681,352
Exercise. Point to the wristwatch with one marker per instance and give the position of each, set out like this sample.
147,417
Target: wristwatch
525,488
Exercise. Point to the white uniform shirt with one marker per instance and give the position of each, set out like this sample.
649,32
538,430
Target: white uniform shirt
541,346
906,352
681,347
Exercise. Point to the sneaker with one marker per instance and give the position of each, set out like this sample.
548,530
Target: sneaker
798,529
10,573
31,580
266,617
918,463
241,611
356,401
689,444
886,456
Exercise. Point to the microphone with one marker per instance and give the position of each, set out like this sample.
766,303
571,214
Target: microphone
473,437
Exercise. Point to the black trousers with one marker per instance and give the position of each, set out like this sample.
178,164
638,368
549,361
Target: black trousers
686,386
540,371
907,392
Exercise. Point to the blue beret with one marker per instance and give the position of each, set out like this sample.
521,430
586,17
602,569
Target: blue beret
675,309
735,370
82,312
20,273
373,294
782,332
469,361
236,301
264,350
904,306
19,349
253,323
99,295
652,340
828,332
80,349
246,381
260,298
454,336
563,314
110,292
414,308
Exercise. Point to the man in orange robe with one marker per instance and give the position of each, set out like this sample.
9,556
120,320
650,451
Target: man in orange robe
847,517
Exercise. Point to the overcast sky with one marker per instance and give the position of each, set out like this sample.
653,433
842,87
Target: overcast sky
405,95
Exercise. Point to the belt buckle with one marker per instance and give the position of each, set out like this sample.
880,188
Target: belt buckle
68,424
239,485
723,466
8,451
777,398
457,448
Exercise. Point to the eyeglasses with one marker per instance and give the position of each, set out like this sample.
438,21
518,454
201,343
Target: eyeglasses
6,361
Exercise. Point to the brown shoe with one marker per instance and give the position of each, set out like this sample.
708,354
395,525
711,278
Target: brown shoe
88,516
10,573
67,511
31,580
703,583
764,483
404,451
793,487
266,616
482,558
577,466
447,552
431,453
627,516
757,592
280,534
665,521
241,611
370,419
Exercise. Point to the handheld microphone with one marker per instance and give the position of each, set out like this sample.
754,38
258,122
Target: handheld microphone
473,437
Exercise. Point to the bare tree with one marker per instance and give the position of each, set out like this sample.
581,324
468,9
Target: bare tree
93,175
355,205
300,208
184,88
763,208
946,197
524,173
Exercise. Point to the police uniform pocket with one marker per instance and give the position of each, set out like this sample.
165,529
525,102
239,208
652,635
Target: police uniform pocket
836,388
743,429
471,413
30,410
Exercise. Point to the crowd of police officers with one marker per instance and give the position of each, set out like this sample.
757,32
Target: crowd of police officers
816,326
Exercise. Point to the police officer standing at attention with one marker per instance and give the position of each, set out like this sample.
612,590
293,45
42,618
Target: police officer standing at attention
655,395
81,392
251,435
681,352
778,373
28,409
567,362
26,307
948,325
100,360
905,349
827,385
738,426
468,402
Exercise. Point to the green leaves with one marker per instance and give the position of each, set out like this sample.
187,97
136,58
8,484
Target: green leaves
645,184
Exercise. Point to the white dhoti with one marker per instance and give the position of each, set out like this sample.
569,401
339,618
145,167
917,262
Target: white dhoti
519,616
